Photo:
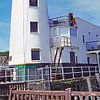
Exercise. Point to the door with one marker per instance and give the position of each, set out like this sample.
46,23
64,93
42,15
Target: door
72,57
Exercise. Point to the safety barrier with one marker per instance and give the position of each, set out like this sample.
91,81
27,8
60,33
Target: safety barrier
53,95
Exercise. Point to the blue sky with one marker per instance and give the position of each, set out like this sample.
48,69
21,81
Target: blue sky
86,9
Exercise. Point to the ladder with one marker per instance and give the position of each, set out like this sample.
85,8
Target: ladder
57,56
57,59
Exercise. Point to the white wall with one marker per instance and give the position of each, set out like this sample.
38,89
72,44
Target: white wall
40,39
83,28
21,39
16,34
89,31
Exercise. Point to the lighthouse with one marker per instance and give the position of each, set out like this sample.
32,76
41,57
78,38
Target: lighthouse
29,36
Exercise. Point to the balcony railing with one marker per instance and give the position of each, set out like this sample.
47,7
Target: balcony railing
93,45
63,20
60,41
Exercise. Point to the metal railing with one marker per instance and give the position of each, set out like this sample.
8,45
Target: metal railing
63,21
48,73
93,45
60,41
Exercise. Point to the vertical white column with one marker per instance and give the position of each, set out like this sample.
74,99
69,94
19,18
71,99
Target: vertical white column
62,72
14,74
73,73
28,76
98,61
89,83
5,76
50,73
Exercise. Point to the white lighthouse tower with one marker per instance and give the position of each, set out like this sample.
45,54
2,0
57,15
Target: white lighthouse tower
29,37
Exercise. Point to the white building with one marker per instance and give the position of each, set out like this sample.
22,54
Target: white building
81,42
64,42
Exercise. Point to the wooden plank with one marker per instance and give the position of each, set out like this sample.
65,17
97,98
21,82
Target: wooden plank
47,97
62,97
75,97
21,96
81,97
14,97
30,96
17,97
87,98
93,97
33,97
10,95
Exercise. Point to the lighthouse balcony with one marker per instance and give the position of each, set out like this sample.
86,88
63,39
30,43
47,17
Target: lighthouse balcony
60,41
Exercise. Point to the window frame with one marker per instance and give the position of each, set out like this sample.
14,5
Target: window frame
31,27
31,4
36,50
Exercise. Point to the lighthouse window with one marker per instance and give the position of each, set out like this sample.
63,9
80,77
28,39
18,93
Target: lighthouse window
33,3
34,26
35,54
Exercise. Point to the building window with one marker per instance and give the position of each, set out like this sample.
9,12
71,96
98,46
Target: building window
63,30
33,26
72,57
73,31
89,33
83,39
33,3
35,54
55,32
